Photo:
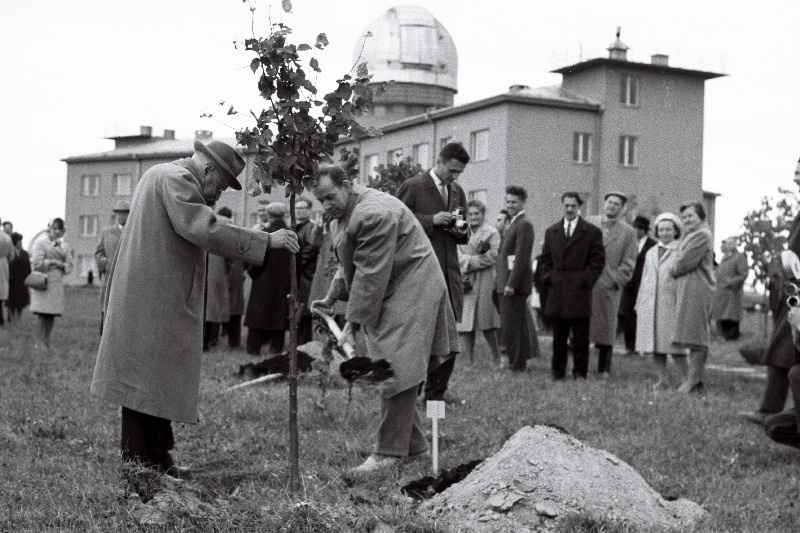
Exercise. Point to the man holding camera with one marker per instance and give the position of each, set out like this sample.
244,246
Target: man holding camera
440,205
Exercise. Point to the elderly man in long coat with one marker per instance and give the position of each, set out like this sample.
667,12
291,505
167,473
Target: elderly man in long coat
6,255
396,293
107,248
150,351
433,197
620,244
731,275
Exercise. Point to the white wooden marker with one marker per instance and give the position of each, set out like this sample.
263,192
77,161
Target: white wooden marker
435,412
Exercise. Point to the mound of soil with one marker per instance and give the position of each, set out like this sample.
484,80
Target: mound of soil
542,476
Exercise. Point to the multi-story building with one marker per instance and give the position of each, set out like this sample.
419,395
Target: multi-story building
612,124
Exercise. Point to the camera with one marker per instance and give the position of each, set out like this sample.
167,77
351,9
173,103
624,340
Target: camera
793,294
458,223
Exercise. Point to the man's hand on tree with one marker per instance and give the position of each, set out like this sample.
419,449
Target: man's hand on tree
284,238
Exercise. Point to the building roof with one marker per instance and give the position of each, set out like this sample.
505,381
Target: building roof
619,63
553,96
156,148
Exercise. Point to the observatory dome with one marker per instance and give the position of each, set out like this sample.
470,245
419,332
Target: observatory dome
408,45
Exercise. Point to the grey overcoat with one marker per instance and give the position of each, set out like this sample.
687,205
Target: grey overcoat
51,300
393,285
694,273
655,303
477,259
620,244
104,254
150,351
6,255
731,275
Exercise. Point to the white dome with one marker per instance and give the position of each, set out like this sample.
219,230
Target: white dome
408,45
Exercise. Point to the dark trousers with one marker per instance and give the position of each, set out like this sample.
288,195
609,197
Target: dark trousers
775,391
514,317
604,357
304,330
210,335
628,322
233,329
436,384
729,329
146,438
580,331
783,427
258,337
2,321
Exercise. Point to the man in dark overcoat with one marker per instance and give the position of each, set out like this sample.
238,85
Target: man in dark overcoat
572,260
627,303
515,279
267,315
149,357
107,247
781,352
434,197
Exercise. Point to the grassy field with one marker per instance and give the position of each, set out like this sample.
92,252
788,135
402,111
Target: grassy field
60,466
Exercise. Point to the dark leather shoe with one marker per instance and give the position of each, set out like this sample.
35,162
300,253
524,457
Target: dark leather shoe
169,468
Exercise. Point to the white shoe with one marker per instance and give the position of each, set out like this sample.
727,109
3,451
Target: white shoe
375,463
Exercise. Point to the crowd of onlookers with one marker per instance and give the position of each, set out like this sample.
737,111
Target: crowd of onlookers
656,281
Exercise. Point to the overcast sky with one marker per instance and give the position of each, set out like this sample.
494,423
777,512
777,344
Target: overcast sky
76,71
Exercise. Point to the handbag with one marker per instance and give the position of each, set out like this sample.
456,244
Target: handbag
36,280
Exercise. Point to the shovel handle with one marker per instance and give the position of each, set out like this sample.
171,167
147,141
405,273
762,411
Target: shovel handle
334,328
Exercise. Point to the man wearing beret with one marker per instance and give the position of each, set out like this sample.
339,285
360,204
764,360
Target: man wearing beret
150,351
627,311
619,243
107,247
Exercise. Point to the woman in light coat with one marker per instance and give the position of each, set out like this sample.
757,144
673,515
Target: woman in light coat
694,274
656,301
55,258
477,259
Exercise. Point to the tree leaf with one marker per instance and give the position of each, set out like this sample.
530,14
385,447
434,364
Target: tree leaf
287,6
313,63
303,47
254,64
362,70
322,41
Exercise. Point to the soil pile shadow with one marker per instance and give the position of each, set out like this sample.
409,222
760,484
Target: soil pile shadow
428,486
544,478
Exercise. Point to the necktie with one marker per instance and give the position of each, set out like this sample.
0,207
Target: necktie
661,251
569,229
443,190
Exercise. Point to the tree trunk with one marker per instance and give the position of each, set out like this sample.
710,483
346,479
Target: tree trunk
294,439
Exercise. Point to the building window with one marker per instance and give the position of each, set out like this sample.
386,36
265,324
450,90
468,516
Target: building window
582,147
393,157
88,225
628,151
479,145
370,167
122,184
478,194
629,91
90,185
422,154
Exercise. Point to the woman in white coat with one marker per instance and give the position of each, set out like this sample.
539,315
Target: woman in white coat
55,258
655,303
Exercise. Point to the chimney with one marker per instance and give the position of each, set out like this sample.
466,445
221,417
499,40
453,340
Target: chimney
517,88
146,131
618,50
169,134
659,59
203,134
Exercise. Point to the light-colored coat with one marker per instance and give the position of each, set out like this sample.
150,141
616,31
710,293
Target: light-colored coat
105,252
656,301
218,307
150,351
51,300
731,274
393,285
694,273
620,244
479,312
6,255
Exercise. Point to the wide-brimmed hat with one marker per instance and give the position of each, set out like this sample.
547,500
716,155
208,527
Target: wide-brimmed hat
641,222
121,207
227,159
620,194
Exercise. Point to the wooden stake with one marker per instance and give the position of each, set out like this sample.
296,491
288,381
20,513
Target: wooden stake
435,411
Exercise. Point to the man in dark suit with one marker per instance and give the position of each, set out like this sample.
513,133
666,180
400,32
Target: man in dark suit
627,311
434,197
572,260
306,265
514,278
